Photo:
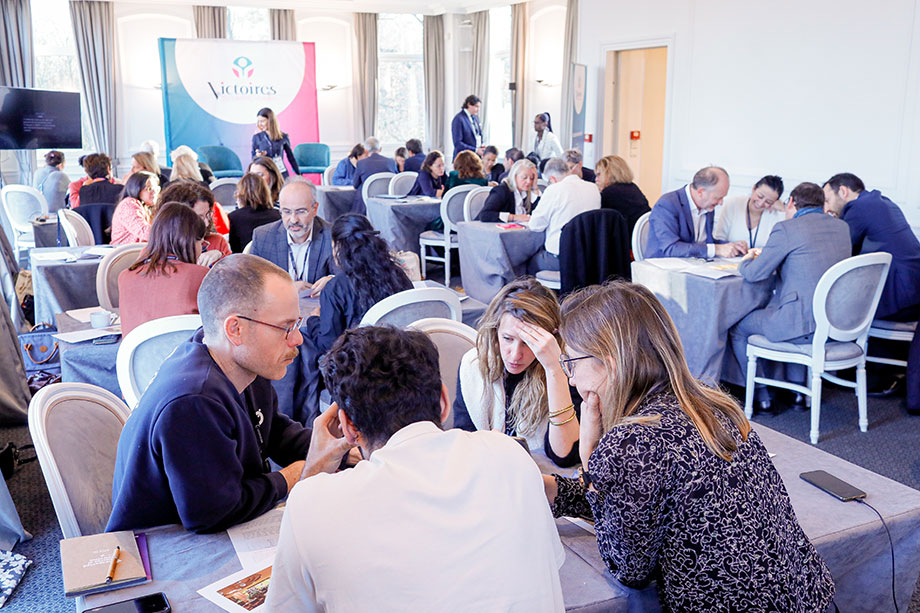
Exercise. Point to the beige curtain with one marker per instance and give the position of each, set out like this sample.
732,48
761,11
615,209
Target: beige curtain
433,46
210,21
365,73
519,18
479,73
569,57
94,34
284,27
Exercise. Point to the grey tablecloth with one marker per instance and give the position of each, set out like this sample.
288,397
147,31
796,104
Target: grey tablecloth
400,222
61,286
85,362
490,257
46,234
703,310
334,201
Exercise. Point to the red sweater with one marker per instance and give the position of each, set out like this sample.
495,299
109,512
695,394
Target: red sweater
142,298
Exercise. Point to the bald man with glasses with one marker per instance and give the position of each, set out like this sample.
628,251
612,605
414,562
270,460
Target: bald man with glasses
196,449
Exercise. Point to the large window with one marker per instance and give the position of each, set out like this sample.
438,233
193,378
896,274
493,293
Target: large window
56,64
248,23
499,97
400,79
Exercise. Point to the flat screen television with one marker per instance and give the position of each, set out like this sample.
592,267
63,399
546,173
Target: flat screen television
39,119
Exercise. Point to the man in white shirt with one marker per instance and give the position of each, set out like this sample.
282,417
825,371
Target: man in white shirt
430,520
566,196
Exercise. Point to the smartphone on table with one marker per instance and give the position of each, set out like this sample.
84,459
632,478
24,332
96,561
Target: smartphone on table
151,603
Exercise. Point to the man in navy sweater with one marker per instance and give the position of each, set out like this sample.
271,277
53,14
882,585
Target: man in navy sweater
195,451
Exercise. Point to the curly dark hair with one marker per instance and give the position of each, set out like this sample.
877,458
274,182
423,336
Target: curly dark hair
364,258
384,379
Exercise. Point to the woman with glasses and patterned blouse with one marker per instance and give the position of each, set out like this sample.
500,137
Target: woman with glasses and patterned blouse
512,381
165,278
680,487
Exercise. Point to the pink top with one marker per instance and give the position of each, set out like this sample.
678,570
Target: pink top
131,222
142,298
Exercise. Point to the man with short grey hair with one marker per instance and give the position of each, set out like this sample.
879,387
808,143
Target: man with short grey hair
371,165
566,196
196,449
681,221
574,159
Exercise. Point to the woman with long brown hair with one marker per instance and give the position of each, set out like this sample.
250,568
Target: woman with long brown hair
254,209
165,278
512,381
266,168
680,487
269,141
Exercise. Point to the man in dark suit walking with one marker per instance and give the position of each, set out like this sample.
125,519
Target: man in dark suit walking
465,128
681,222
371,165
877,224
300,243
799,251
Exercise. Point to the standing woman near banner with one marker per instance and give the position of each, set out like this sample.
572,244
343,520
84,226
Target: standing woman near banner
271,142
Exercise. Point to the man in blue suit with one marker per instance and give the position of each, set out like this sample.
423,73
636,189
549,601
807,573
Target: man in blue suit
877,224
415,161
466,129
681,222
301,243
371,165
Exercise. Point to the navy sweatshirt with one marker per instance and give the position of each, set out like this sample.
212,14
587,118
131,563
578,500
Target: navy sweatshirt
189,453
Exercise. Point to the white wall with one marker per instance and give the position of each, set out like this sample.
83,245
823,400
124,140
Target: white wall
802,89
546,41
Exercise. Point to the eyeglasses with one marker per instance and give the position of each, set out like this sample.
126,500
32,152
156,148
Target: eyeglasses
287,331
297,212
568,364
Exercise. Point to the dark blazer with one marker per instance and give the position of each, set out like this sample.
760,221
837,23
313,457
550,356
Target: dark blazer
628,199
500,200
261,141
370,165
414,163
799,250
244,220
671,231
100,192
462,132
426,185
270,242
877,224
588,175
496,172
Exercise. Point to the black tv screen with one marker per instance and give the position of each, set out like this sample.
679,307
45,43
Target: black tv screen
39,119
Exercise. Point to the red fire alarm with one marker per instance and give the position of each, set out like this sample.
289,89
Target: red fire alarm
589,138
634,135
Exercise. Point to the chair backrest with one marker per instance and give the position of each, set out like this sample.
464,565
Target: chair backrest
475,200
76,229
402,183
846,297
640,237
312,154
453,339
593,247
223,190
452,206
248,248
118,259
405,307
376,184
75,429
327,174
22,204
220,158
144,350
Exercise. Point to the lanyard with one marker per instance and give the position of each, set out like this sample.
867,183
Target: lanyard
754,238
299,275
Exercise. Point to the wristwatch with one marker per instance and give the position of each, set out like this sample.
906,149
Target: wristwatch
585,477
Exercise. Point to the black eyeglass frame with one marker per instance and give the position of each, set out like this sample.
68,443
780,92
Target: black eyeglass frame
287,331
566,362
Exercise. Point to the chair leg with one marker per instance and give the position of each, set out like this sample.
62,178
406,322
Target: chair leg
424,251
447,264
861,397
749,386
815,406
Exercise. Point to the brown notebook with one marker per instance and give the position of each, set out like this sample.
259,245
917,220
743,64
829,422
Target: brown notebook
86,561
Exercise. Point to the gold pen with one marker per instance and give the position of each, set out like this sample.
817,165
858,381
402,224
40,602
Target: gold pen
111,575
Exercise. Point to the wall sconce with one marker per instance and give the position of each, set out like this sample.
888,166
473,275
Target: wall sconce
327,88
545,83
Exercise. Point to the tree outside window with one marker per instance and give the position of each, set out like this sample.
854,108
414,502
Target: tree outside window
400,79
499,97
248,23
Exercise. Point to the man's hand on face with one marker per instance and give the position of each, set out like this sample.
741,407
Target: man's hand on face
327,445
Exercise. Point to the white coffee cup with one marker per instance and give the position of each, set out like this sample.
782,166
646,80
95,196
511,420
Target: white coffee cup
101,319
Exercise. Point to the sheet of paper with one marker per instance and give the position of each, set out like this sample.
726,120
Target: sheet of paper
78,336
672,263
51,256
255,541
241,592
100,250
83,315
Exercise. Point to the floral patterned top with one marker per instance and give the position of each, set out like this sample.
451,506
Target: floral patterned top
718,536
131,222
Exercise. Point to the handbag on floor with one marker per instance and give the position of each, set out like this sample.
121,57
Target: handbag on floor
39,350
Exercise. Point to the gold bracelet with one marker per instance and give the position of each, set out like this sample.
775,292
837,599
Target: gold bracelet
561,411
562,423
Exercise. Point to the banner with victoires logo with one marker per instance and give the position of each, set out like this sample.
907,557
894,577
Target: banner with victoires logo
213,88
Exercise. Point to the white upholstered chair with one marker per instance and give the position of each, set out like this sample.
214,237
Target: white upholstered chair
22,204
453,339
892,331
408,306
640,237
474,201
118,259
224,191
376,185
76,229
451,213
402,183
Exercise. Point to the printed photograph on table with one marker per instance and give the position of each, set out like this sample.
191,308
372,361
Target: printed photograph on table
249,592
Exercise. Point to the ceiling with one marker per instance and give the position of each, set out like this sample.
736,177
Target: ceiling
354,6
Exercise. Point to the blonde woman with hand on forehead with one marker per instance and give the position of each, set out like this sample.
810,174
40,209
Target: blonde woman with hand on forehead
512,381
